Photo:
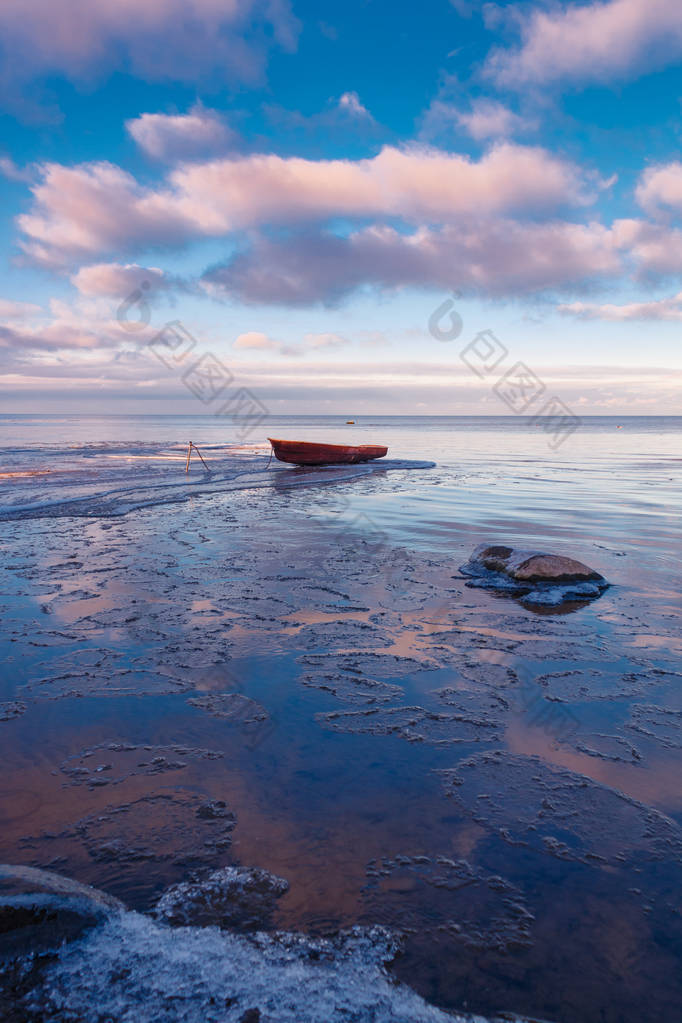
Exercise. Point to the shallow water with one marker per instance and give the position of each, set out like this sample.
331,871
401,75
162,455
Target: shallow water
297,651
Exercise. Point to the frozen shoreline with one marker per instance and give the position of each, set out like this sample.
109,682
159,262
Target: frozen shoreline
129,967
104,490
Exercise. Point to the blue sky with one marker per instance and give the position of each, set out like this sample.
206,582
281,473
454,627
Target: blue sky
301,186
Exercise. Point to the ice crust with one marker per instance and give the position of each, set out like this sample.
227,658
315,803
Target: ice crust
128,967
117,480
480,909
133,968
567,814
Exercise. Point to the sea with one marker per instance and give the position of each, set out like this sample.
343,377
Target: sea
476,801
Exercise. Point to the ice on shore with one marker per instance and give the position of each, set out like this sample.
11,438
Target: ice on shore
131,968
243,898
108,480
75,953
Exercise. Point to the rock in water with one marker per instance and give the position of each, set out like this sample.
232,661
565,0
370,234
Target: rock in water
534,577
242,898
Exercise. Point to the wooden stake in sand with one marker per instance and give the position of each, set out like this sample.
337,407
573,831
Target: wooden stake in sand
189,455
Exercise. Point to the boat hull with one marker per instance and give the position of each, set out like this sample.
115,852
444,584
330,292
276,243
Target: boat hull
301,452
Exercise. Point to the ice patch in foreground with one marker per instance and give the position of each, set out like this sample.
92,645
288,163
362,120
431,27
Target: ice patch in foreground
132,969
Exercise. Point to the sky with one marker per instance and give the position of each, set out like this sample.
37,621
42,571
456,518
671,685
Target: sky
352,207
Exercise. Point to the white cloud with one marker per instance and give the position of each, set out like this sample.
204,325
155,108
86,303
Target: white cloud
350,103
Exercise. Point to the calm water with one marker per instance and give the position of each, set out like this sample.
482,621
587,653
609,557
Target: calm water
408,761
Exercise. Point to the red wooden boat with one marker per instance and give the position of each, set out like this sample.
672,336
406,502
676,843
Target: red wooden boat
302,452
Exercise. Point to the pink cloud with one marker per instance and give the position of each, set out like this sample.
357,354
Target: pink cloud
462,223
321,341
80,212
116,281
346,115
253,339
97,384
171,137
660,309
9,170
413,184
494,257
465,8
661,187
594,42
83,212
10,310
654,249
84,325
486,119
256,341
177,40
59,335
